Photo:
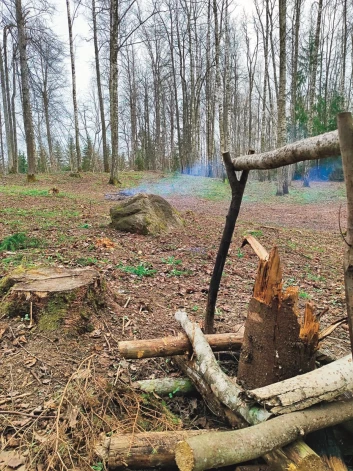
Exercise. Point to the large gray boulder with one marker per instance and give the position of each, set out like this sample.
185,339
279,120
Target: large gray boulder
144,214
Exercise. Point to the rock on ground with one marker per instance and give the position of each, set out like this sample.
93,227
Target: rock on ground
145,214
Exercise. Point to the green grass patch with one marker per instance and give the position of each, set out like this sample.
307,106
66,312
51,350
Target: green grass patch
139,270
172,261
19,241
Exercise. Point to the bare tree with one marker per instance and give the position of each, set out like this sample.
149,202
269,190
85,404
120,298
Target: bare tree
70,20
26,101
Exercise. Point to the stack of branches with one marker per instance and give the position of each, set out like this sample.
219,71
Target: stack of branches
277,399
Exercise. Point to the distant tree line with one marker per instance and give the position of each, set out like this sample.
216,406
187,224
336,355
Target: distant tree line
170,80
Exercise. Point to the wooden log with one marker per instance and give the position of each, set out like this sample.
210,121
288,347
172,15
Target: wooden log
297,456
312,148
305,390
165,386
275,346
345,132
325,444
169,346
227,391
143,450
217,449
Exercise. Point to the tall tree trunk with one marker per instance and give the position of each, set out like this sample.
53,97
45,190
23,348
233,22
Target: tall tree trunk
2,154
295,56
99,90
74,97
26,101
6,112
344,52
13,110
13,166
282,183
113,91
312,85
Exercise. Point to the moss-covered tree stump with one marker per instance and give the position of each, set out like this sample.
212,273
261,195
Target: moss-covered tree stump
53,297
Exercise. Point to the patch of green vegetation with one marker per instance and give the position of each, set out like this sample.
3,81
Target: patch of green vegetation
255,233
140,270
290,282
304,295
19,241
87,261
176,272
312,277
172,261
16,190
239,253
291,244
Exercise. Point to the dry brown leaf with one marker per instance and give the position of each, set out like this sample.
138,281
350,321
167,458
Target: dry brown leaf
104,243
19,340
2,331
30,362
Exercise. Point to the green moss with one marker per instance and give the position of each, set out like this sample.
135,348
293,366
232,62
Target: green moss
55,311
5,284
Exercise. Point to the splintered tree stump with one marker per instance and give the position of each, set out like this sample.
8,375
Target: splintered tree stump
276,344
53,297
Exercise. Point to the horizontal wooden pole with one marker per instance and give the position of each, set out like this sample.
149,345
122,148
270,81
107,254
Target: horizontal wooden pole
313,148
169,346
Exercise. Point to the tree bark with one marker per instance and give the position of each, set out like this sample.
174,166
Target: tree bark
26,101
113,91
345,130
222,386
305,390
217,449
99,90
282,174
142,450
169,346
5,111
276,346
165,386
318,147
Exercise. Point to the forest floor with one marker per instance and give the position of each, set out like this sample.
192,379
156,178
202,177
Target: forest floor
48,373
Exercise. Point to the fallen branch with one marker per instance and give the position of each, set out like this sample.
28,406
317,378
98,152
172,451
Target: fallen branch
169,346
221,385
305,390
217,449
165,386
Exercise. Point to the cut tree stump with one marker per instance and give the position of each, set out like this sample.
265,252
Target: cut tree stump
53,297
276,345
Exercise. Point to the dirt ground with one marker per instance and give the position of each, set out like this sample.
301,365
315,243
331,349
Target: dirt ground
36,366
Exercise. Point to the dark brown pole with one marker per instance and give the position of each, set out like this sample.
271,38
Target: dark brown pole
237,188
345,134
